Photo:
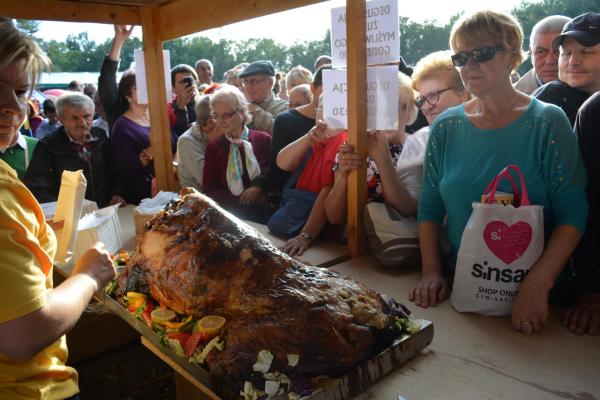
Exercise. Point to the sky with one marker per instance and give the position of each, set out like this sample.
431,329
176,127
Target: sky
301,24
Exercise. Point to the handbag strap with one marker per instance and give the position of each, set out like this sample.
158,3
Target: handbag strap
291,183
506,173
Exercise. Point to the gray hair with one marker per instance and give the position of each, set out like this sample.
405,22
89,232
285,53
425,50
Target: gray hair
552,23
235,98
203,61
76,100
304,89
203,110
298,75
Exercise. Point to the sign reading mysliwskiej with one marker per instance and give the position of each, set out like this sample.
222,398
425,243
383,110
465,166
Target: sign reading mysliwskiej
382,40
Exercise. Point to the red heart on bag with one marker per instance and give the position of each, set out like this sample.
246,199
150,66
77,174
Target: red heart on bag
507,243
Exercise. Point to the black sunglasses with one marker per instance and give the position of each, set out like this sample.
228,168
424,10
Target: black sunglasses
480,55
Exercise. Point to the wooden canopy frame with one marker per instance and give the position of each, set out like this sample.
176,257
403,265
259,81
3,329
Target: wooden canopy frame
163,20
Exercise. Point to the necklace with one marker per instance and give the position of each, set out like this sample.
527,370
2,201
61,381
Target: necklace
495,118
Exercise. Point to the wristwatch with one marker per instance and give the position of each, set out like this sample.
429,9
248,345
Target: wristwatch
306,236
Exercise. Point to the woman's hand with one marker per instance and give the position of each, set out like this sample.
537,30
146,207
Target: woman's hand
348,160
117,200
253,196
377,145
296,246
530,307
146,156
584,316
97,264
431,289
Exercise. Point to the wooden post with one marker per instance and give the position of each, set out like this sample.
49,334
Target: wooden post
160,136
357,120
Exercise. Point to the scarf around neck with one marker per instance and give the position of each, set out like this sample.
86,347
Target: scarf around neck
235,169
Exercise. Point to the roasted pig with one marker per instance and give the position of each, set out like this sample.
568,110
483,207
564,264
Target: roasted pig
197,259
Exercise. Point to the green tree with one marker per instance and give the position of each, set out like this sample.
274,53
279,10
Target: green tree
31,27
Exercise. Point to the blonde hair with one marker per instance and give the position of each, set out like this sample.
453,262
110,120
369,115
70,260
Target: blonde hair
232,96
16,45
406,92
298,75
436,65
494,24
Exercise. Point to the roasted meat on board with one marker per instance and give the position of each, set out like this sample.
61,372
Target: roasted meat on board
197,259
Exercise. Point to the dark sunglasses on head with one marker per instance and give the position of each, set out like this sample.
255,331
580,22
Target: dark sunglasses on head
480,55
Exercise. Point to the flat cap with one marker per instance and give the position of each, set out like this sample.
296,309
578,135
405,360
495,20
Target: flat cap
258,68
584,28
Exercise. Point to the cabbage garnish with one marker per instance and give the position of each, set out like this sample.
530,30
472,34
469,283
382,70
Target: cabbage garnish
293,359
263,361
250,392
200,356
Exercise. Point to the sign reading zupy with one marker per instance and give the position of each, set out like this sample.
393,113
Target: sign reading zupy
382,98
382,40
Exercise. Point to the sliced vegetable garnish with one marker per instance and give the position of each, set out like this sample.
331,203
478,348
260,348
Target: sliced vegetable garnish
162,315
263,361
210,324
293,359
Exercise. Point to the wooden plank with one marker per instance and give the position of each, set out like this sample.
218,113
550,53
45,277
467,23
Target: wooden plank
160,137
181,18
357,120
177,368
72,11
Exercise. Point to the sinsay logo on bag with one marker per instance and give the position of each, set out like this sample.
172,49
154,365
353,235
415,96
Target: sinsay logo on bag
491,273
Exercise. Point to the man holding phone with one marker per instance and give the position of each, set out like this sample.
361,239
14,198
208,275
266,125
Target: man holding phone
182,111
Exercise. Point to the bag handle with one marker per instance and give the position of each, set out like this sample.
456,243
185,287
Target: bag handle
522,199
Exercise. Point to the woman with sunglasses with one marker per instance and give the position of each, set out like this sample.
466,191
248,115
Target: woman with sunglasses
471,143
235,161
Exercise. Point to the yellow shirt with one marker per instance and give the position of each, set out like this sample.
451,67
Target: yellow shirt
27,248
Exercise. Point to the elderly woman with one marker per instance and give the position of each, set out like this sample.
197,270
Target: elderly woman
34,316
191,146
237,159
471,143
384,182
438,83
130,140
76,145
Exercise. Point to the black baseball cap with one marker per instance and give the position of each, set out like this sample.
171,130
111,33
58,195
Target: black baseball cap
584,28
258,68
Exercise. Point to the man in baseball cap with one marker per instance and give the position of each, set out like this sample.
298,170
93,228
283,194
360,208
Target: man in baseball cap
258,79
578,65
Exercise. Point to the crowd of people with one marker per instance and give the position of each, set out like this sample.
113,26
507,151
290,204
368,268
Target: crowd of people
259,145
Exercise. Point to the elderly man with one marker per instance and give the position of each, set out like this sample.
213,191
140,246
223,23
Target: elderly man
258,80
182,111
578,65
322,60
299,96
543,57
75,146
204,70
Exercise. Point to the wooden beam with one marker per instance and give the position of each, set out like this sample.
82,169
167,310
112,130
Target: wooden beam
184,17
160,136
357,120
72,11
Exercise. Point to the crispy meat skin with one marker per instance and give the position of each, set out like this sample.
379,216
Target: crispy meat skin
196,258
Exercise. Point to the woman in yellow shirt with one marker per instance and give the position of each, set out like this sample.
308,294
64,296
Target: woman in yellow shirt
34,316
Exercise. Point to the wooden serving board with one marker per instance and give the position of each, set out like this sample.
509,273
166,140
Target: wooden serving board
351,384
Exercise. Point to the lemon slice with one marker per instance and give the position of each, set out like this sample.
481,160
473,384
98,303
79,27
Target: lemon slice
210,324
162,315
135,296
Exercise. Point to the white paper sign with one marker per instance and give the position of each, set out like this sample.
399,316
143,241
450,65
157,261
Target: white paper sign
382,40
382,98
140,76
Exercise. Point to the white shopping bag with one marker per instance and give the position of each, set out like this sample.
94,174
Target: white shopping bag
499,245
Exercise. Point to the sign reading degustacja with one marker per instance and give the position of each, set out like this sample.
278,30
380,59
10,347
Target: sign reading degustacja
382,40
382,98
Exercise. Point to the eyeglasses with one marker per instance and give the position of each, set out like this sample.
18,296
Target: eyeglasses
253,82
432,98
224,116
480,55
